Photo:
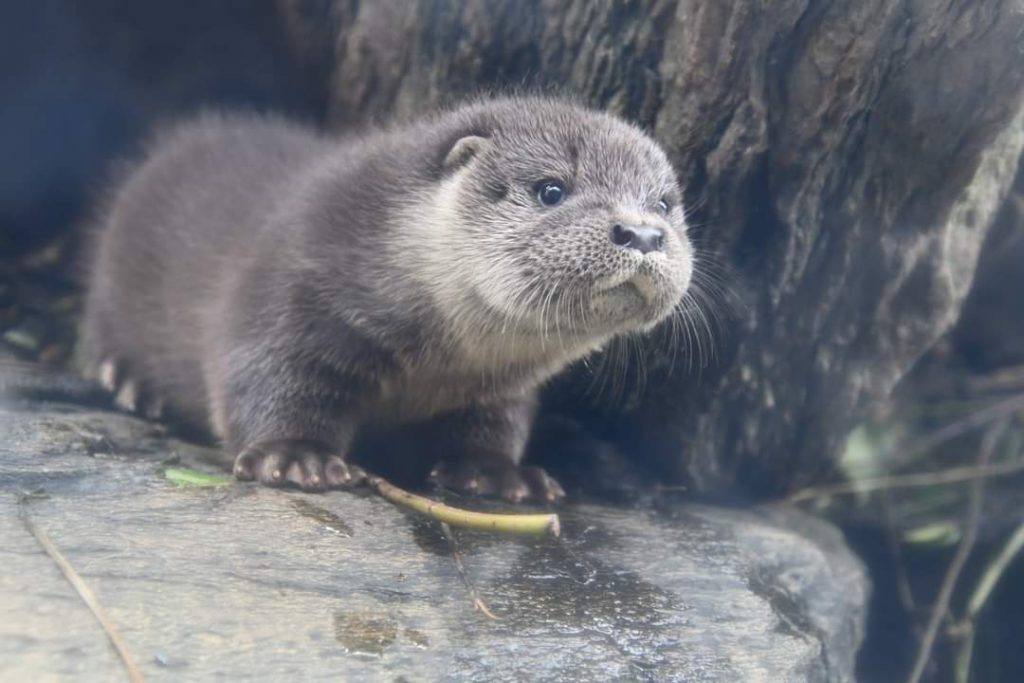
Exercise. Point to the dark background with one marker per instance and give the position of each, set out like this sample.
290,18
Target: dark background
83,82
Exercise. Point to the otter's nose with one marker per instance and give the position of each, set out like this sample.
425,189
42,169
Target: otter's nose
643,238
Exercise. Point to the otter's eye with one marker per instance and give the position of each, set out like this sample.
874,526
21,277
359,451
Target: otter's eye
550,192
663,206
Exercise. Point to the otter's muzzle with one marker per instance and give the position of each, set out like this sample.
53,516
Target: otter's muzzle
643,238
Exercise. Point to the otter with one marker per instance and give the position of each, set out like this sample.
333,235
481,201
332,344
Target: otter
286,290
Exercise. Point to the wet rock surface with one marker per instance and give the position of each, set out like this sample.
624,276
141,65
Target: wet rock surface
240,581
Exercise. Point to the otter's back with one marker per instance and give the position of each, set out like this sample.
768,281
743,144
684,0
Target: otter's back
181,223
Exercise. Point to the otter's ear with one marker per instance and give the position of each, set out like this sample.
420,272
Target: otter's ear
463,151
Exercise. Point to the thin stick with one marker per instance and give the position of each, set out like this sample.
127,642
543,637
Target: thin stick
951,475
976,419
903,589
963,551
82,588
478,602
510,524
1006,379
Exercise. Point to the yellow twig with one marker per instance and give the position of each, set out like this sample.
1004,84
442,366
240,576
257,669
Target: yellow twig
537,525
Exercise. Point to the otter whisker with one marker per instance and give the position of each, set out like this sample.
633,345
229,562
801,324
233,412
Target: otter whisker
690,209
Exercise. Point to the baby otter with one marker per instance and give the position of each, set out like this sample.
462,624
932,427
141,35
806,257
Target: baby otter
286,290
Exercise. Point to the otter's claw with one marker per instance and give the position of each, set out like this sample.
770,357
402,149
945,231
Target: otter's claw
129,395
309,465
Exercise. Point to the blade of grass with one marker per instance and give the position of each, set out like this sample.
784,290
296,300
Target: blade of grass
183,476
979,597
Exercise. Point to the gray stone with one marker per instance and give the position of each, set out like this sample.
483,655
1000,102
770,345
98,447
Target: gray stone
240,581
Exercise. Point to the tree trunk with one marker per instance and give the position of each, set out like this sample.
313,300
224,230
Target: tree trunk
844,160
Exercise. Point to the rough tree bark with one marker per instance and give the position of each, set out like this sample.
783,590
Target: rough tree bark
844,159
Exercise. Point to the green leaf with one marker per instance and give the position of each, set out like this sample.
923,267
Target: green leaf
182,476
940,533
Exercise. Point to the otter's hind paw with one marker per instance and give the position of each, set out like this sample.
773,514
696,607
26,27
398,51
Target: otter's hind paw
503,479
310,465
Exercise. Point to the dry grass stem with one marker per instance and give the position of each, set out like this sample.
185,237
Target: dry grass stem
952,475
81,587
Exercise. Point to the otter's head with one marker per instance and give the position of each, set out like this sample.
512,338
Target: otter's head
570,221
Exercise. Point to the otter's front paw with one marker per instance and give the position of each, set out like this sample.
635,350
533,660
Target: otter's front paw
503,479
310,465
